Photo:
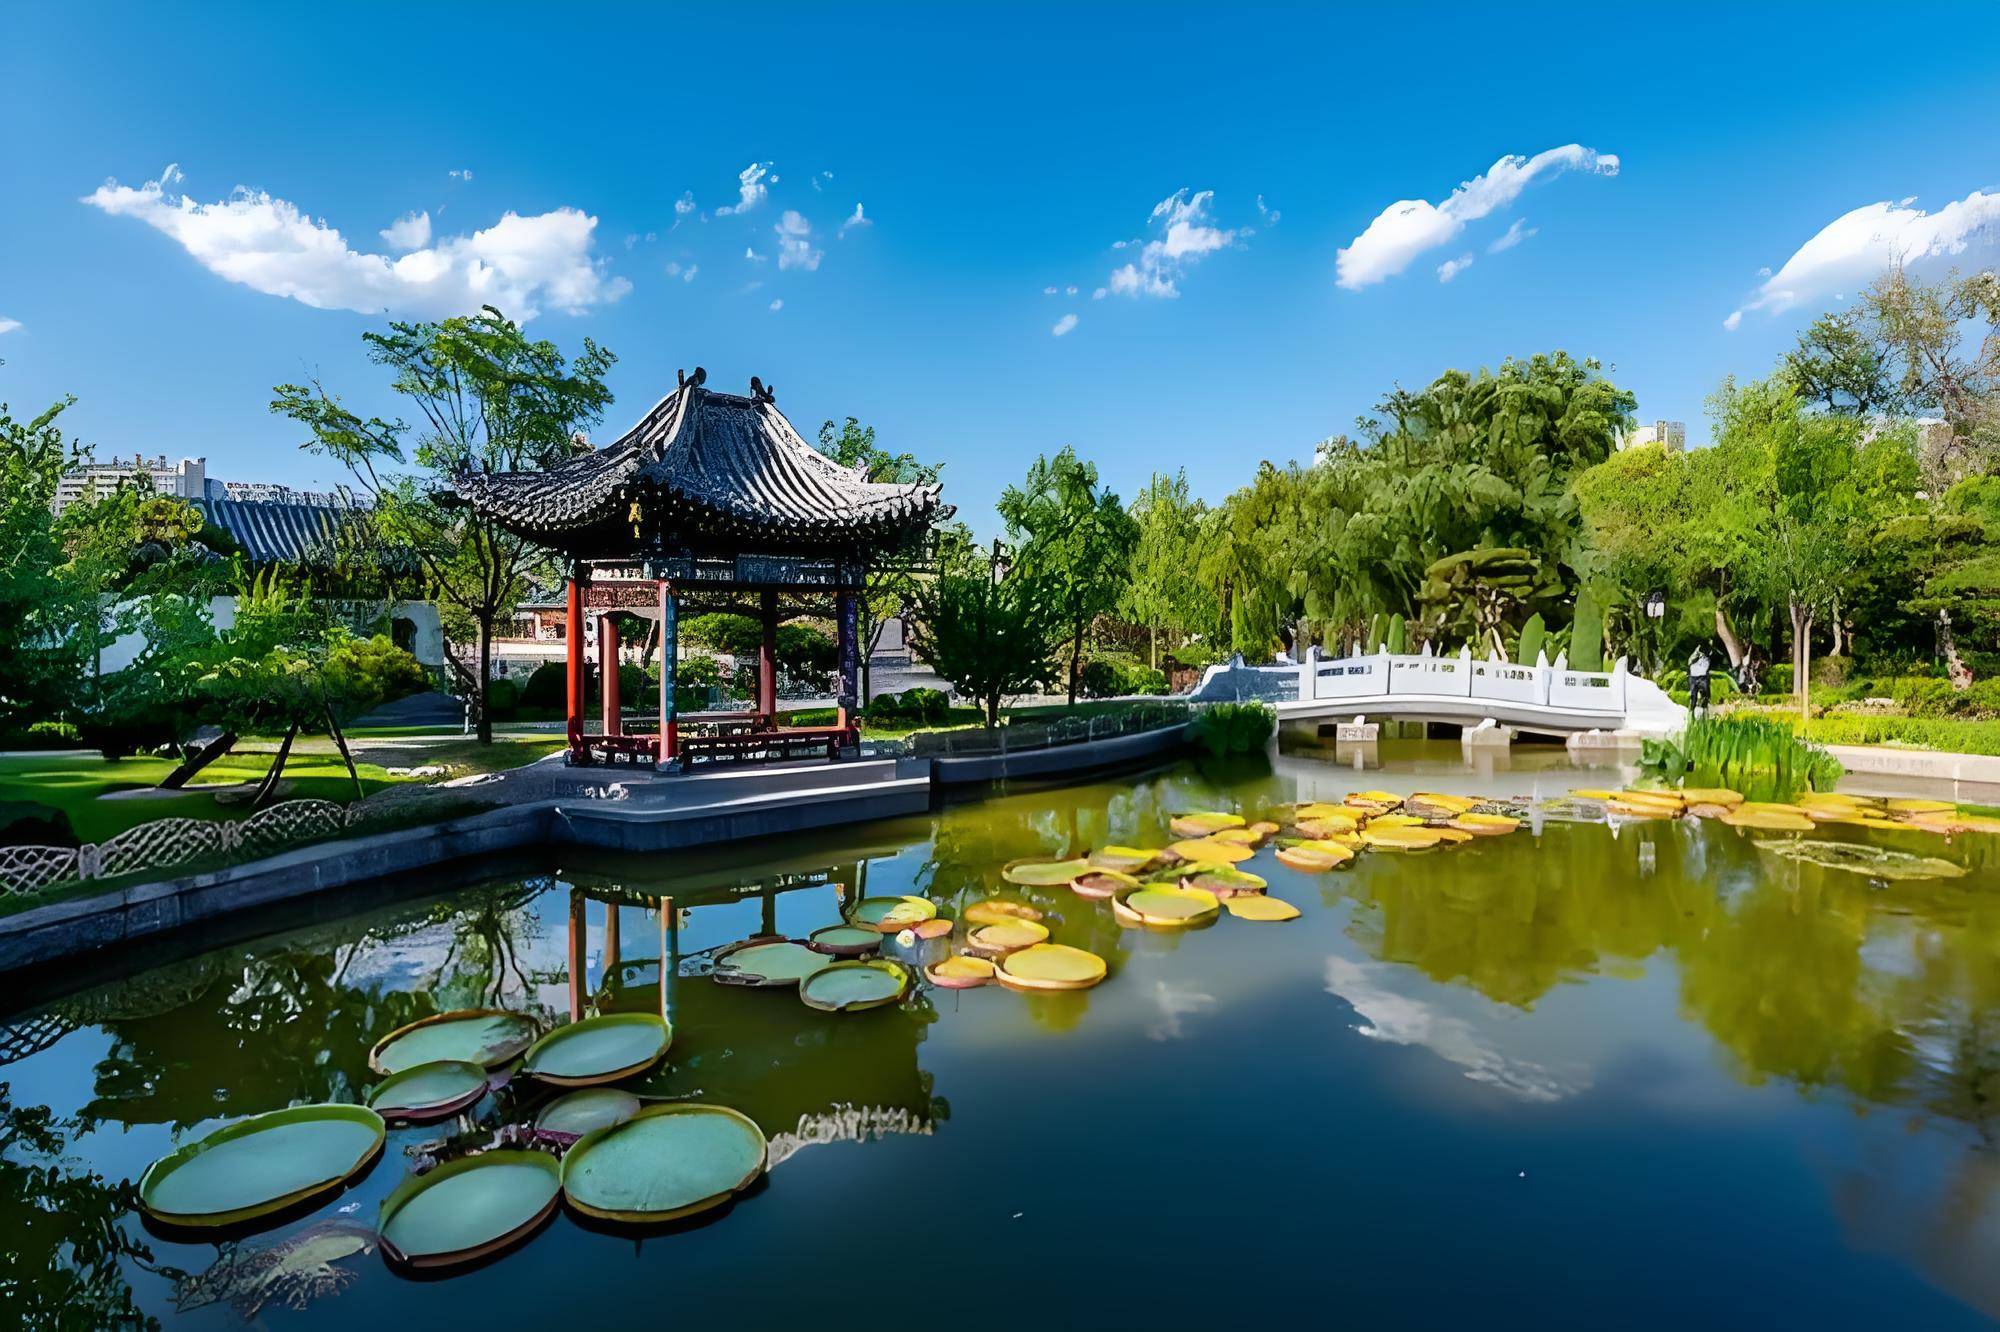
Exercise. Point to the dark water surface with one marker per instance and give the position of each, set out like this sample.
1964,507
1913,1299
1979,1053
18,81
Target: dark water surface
1557,1079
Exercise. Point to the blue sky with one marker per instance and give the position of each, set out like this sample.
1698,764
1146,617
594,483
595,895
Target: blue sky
994,154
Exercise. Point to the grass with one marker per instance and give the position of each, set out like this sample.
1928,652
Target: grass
75,782
1946,734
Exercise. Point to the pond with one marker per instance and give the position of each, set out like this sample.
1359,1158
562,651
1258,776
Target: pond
1577,1075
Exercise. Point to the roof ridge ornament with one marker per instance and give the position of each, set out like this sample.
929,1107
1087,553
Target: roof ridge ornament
698,378
763,392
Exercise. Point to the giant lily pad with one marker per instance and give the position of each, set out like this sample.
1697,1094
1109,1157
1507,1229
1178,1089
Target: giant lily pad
994,910
1047,966
1874,861
1712,795
960,973
1124,859
261,1165
845,940
1261,908
1165,904
1101,883
1767,819
1204,824
599,1049
1916,806
1210,851
1434,802
1006,936
488,1037
1314,857
1042,873
585,1109
1400,839
1223,880
1485,825
767,962
889,915
667,1161
850,987
428,1091
469,1208
1320,829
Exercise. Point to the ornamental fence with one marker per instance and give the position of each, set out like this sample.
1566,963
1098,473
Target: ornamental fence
173,842
1025,735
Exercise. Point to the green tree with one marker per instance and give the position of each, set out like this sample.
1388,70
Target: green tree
1165,590
989,636
49,632
1839,366
1074,544
490,400
889,586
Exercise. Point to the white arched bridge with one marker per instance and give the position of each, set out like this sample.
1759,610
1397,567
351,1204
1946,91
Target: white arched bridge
1546,697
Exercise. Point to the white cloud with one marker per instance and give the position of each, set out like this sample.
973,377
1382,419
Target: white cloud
1100,294
1407,228
819,181
1184,237
411,231
778,304
685,272
1271,216
1070,290
8,325
750,189
457,173
859,219
1513,236
1048,291
1850,250
795,247
750,253
1451,268
1064,325
520,264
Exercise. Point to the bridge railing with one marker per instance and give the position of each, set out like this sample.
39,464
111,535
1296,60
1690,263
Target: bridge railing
1387,675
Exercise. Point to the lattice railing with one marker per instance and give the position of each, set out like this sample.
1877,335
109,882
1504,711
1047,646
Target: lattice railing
168,843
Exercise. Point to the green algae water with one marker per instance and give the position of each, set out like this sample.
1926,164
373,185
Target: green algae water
1575,1076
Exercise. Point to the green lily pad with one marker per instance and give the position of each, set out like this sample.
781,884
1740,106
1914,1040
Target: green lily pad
261,1165
599,1049
849,987
766,962
469,1208
666,1162
589,1108
1222,880
428,1091
887,915
488,1037
845,940
1042,873
1876,862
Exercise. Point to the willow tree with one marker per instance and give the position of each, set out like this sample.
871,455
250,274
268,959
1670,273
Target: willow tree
1164,590
1073,540
489,399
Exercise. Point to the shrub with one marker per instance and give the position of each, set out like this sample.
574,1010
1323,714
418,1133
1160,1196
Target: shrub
1832,672
1586,635
1108,676
374,668
45,735
25,823
547,687
1777,679
1233,728
503,698
928,706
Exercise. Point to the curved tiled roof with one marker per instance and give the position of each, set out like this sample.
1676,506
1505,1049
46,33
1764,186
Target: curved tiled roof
734,463
301,530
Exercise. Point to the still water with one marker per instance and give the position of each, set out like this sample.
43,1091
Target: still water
1563,1078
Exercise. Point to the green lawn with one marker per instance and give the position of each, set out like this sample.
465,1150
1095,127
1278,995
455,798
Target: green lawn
74,782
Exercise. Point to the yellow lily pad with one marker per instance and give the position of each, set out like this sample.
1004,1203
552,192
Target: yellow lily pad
1711,795
1124,859
1101,883
1768,820
891,915
1048,966
1165,904
1223,880
1203,824
1914,806
959,972
1006,936
1400,839
1314,857
1486,825
1261,908
1207,851
996,909
1036,873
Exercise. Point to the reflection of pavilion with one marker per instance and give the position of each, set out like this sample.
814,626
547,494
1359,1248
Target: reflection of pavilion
803,1075
711,502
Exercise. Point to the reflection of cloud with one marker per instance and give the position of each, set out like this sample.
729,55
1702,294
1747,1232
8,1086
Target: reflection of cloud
1176,1003
847,1123
1404,1020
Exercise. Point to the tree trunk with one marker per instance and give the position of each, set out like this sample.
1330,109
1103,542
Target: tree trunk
1730,642
486,678
1154,630
346,756
993,709
1956,669
1075,656
269,786
1801,653
198,760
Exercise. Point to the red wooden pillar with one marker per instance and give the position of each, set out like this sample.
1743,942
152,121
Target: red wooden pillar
578,931
607,669
573,663
767,660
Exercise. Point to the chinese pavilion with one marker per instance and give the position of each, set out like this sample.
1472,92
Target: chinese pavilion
711,502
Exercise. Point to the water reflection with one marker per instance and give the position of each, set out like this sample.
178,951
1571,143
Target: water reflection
1813,981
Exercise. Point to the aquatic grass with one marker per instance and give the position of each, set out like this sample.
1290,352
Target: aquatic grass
1233,728
1731,748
